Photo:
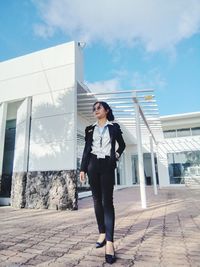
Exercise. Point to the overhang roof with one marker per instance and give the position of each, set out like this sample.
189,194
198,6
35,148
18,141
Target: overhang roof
180,116
122,104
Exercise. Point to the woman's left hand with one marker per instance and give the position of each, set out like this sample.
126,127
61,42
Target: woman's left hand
82,177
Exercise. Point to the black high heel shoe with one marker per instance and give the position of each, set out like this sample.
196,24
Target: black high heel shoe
100,244
110,258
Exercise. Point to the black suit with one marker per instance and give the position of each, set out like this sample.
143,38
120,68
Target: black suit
102,176
115,135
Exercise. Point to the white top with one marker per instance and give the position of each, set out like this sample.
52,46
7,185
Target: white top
101,145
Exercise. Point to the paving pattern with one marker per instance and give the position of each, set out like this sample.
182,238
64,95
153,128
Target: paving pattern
166,234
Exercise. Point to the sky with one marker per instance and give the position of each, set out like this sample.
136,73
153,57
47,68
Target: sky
130,44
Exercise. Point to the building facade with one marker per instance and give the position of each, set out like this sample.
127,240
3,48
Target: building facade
38,126
182,148
42,134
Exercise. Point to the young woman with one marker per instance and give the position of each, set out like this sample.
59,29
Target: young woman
99,162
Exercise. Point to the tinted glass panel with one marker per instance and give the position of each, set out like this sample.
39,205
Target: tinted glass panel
170,134
183,132
196,131
183,165
8,157
80,146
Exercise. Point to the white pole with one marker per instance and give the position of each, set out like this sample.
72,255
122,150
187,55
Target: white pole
153,166
140,158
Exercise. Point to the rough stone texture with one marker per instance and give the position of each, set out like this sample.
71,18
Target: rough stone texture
45,190
52,190
18,190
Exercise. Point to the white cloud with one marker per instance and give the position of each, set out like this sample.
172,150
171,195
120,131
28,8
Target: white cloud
149,80
156,24
105,86
43,31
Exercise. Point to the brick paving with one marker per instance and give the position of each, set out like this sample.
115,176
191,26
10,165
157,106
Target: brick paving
166,234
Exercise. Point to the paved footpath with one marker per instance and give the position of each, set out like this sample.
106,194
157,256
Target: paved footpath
167,233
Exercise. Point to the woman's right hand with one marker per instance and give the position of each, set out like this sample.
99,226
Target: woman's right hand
82,177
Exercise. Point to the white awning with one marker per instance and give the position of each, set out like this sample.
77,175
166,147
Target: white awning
122,104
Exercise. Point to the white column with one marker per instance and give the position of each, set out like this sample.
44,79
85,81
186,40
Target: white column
22,136
128,166
153,166
163,172
140,157
3,114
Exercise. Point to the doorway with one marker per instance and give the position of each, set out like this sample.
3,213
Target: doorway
9,147
8,152
147,169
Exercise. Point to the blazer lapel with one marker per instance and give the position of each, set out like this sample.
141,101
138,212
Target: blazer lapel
111,131
90,133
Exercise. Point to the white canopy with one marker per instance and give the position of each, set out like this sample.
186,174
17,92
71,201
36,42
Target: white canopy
122,103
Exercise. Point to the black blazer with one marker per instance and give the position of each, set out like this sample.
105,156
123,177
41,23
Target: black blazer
115,135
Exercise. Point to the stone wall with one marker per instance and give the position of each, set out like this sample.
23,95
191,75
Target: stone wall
18,199
45,190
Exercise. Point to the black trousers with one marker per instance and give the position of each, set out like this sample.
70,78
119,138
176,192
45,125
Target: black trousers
101,178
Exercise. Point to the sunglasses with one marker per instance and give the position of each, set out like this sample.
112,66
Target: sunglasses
97,108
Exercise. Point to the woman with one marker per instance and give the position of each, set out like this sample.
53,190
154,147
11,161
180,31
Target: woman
99,162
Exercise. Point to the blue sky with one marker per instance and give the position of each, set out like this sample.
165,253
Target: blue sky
130,44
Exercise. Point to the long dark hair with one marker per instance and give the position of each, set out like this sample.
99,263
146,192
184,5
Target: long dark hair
110,116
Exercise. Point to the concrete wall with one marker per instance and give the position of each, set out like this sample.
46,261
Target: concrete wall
37,73
53,131
179,121
45,82
49,78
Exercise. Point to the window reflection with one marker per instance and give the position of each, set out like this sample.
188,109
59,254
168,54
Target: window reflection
183,165
183,132
170,133
196,131
80,146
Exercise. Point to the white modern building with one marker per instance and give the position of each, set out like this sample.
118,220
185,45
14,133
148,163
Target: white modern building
38,127
181,146
44,109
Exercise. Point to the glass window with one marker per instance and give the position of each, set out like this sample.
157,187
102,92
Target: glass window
183,132
80,146
121,171
170,133
9,147
135,174
183,165
196,131
8,157
147,169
